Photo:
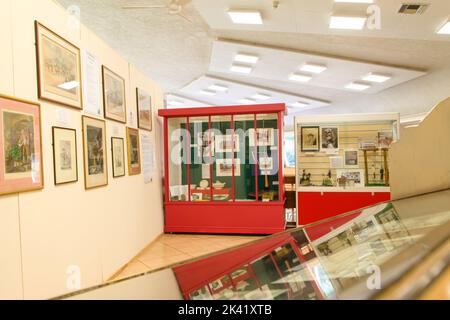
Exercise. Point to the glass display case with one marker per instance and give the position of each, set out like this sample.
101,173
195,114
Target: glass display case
223,168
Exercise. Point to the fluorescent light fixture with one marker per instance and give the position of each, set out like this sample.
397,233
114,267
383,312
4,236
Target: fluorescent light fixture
349,23
300,77
376,77
69,85
299,104
246,101
241,69
218,87
313,68
445,29
357,86
245,17
261,96
246,58
208,92
353,1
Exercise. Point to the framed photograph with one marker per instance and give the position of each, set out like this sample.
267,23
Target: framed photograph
94,150
385,139
224,143
310,139
264,137
59,68
329,138
65,164
144,109
20,146
224,167
205,144
351,158
134,152
353,177
118,157
114,102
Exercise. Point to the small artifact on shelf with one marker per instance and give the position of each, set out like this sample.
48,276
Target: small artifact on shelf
218,185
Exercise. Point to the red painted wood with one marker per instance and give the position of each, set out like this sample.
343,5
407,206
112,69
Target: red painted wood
226,110
316,206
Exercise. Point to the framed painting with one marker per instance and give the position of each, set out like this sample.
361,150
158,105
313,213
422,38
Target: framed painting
59,69
94,150
118,157
134,157
114,101
20,146
144,109
310,139
65,164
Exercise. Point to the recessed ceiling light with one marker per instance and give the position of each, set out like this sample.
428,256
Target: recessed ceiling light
246,58
299,104
218,87
245,17
313,68
261,96
445,29
246,101
376,77
357,86
300,77
208,92
350,23
353,1
241,69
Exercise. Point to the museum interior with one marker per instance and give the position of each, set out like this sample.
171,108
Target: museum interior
224,150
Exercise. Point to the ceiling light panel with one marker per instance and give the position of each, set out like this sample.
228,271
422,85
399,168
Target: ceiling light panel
376,77
313,68
347,23
246,58
445,29
245,17
241,69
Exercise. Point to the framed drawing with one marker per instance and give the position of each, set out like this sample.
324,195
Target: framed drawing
144,109
329,138
224,143
310,139
20,146
94,150
351,158
114,102
352,177
118,157
65,164
264,137
224,167
59,69
134,157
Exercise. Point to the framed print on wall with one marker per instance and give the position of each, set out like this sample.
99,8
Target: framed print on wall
65,165
144,109
118,157
133,148
114,101
20,146
94,150
59,69
310,139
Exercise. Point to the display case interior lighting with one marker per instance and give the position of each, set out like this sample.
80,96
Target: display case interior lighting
246,58
241,69
354,1
300,77
245,16
377,77
348,23
261,96
218,87
299,104
313,68
445,29
357,86
246,101
208,92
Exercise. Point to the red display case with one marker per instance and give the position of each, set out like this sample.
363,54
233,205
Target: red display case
224,169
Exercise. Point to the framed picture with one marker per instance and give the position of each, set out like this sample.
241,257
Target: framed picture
310,139
144,109
385,139
134,153
224,167
114,103
224,143
353,177
20,146
94,150
59,68
65,164
264,137
329,138
118,157
351,158
205,144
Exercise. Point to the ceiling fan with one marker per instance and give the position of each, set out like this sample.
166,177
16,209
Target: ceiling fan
174,7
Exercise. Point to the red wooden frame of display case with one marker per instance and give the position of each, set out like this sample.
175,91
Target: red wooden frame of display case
231,217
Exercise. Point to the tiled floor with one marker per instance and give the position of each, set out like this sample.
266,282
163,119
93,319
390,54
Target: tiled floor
174,248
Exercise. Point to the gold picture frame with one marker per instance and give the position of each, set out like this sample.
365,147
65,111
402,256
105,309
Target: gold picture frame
133,151
114,96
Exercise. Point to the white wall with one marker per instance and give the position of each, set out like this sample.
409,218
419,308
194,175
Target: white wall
44,232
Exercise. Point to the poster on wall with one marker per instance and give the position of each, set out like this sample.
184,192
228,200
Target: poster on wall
20,146
91,84
148,157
